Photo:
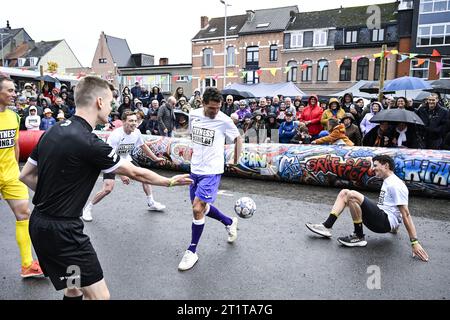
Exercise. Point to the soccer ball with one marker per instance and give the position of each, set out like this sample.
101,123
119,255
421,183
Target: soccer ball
245,207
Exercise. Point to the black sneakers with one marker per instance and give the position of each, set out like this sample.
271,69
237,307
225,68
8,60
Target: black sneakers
353,241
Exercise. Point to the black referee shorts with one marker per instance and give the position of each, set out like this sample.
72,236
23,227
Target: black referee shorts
59,244
375,219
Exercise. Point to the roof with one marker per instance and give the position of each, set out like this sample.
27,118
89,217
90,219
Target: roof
216,26
42,48
8,34
342,17
276,18
119,49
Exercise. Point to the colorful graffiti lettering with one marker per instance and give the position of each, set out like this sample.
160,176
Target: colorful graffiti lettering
350,169
427,171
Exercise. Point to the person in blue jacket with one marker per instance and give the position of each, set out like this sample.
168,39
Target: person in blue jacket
287,129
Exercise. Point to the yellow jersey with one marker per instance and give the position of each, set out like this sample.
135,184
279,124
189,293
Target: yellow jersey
9,137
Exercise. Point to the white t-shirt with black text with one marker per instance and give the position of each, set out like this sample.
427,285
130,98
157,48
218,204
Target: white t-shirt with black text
208,140
393,193
123,143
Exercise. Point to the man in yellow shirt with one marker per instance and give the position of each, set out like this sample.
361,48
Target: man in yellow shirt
11,189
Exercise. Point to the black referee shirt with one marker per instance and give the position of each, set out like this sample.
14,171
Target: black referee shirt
69,158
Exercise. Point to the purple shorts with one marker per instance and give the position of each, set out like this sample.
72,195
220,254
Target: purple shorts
205,187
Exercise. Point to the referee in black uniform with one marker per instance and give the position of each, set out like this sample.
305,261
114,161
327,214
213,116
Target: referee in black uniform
62,170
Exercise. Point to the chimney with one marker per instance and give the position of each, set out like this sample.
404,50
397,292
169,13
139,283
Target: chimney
7,25
163,61
292,16
204,21
250,15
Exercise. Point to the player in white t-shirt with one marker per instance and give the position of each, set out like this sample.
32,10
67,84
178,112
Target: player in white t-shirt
382,217
209,128
124,140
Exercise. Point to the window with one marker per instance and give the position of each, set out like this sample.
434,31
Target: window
433,35
182,79
297,40
21,61
33,61
419,71
445,71
292,74
320,38
252,56
102,60
377,35
322,70
208,82
273,53
307,72
362,69
263,25
377,68
351,36
231,56
345,72
430,6
251,77
207,58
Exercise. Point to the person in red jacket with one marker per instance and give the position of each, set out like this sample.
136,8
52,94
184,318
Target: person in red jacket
311,116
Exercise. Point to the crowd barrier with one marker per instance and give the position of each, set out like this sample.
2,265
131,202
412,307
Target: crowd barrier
425,172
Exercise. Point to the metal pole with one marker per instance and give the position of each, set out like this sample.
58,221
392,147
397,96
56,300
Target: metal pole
3,56
382,72
225,49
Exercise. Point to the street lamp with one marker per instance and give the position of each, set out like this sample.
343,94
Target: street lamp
225,45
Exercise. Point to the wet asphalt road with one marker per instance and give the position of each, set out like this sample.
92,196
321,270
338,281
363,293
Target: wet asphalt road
274,257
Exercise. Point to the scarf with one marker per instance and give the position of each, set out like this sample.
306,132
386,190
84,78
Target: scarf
401,137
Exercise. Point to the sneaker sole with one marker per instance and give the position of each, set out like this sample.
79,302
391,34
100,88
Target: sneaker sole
186,269
154,209
320,234
40,275
86,220
352,245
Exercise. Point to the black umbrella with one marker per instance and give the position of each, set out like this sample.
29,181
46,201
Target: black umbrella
373,88
397,115
47,78
237,93
441,86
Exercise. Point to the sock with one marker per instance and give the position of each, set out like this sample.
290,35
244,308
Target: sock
331,220
358,228
150,199
197,229
73,298
24,242
219,216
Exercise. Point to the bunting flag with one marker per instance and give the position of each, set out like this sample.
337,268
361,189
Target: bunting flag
259,72
189,78
139,78
322,64
230,74
395,51
386,54
438,67
215,77
339,62
304,66
151,78
163,78
419,62
403,57
287,69
175,78
202,77
412,55
377,55
435,53
244,74
273,71
356,58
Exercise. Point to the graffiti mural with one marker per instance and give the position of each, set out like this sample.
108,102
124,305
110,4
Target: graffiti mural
425,172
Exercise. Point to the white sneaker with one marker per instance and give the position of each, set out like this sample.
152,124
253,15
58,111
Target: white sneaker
320,229
156,206
232,230
87,213
188,260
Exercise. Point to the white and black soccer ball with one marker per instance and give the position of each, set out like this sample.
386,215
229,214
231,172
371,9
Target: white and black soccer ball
245,207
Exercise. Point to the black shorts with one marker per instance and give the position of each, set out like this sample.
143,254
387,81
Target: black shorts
59,244
374,218
112,176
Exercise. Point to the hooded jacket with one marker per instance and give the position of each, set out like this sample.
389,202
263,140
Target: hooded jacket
366,125
313,114
328,114
338,133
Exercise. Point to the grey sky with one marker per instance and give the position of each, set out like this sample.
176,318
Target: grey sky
161,28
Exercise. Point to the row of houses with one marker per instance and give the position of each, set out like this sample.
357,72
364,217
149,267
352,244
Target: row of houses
321,52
